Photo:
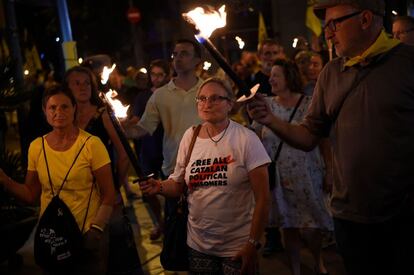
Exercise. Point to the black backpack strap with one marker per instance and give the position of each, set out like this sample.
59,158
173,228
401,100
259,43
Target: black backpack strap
47,166
87,208
73,163
64,180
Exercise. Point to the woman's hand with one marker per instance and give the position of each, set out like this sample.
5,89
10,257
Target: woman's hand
150,187
92,240
248,257
259,110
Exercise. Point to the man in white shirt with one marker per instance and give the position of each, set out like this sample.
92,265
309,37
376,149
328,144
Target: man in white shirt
173,105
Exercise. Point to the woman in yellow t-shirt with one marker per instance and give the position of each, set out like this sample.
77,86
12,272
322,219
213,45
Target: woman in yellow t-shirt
61,146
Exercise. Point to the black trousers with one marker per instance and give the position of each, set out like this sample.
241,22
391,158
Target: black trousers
379,248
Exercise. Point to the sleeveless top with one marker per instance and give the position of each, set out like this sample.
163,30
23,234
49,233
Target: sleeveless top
97,128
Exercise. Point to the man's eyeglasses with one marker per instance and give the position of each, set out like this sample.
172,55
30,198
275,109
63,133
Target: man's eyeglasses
214,99
398,33
331,25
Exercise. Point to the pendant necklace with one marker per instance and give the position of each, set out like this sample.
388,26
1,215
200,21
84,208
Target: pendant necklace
220,138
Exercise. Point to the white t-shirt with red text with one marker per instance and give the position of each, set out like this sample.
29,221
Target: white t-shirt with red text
220,197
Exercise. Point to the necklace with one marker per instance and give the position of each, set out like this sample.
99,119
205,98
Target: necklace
220,138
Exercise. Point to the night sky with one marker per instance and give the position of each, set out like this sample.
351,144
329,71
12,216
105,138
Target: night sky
101,27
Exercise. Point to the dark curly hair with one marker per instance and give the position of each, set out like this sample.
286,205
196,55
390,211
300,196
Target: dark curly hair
292,75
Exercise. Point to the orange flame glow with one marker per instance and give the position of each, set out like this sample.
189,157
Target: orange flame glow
206,20
119,109
106,72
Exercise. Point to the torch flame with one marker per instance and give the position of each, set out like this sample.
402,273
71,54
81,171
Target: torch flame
119,109
206,65
106,72
206,20
240,42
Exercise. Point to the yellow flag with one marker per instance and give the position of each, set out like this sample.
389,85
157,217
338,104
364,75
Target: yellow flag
313,22
4,50
262,29
33,62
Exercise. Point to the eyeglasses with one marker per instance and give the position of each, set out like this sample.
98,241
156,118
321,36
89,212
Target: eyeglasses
398,33
214,99
331,25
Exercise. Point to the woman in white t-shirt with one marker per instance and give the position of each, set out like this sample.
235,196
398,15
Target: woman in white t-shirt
227,181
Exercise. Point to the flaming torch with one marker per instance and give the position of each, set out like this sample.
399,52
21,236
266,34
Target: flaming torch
117,110
205,21
106,72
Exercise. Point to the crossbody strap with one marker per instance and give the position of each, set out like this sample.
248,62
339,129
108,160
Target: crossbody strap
279,147
73,163
87,208
64,180
190,150
47,167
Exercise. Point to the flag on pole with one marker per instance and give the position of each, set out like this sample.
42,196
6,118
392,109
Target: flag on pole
33,62
313,22
4,50
262,32
31,55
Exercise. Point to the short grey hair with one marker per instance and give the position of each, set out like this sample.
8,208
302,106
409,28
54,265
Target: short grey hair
223,83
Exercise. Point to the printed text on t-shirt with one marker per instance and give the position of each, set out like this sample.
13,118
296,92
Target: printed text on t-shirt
209,172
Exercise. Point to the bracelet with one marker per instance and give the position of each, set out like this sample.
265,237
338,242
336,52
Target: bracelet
160,185
97,227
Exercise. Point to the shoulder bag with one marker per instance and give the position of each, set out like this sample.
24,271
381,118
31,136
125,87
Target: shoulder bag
174,254
272,168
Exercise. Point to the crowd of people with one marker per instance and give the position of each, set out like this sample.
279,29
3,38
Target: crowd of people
323,148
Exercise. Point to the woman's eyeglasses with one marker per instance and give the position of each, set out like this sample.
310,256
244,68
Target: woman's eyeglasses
214,99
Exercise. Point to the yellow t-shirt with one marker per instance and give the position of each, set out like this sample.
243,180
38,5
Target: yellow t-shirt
76,190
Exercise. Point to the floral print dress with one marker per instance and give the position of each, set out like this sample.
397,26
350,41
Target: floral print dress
298,200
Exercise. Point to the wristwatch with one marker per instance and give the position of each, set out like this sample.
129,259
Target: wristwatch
255,243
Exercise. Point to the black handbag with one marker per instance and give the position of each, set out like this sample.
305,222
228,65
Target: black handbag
271,168
174,254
